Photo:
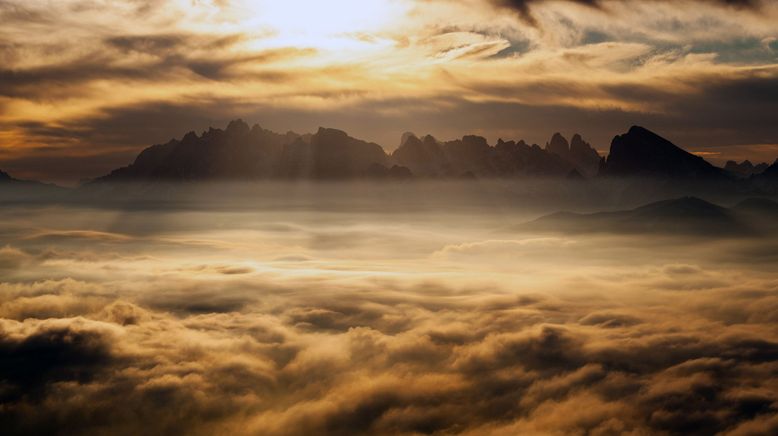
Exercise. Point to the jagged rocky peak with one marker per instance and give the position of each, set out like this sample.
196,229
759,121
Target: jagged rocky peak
256,129
211,132
190,137
578,143
475,141
238,127
558,145
406,136
641,152
411,141
430,140
243,152
329,134
504,145
745,168
772,170
579,153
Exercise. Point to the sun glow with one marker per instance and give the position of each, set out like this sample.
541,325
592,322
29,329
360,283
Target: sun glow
326,24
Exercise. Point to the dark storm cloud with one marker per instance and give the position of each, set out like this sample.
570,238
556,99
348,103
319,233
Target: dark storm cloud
161,44
29,364
741,108
524,7
169,56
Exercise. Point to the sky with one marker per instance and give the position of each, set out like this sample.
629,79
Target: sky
85,85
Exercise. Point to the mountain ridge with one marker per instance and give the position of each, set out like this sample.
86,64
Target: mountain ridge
686,215
641,152
243,152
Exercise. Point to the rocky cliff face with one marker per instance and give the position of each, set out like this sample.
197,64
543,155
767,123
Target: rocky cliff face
745,168
641,152
577,152
240,152
472,155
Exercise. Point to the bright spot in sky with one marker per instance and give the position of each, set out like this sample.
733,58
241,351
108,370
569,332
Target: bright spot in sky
315,22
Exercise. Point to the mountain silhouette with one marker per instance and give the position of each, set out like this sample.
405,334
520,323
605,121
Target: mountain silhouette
767,180
329,154
688,215
771,171
7,180
762,206
13,190
578,152
745,168
643,153
241,152
428,157
235,153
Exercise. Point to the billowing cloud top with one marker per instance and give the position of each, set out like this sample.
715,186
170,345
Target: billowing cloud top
274,315
84,85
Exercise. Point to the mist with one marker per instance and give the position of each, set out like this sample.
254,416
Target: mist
380,308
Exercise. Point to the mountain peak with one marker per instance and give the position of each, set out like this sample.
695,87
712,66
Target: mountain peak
640,130
190,137
745,168
475,140
331,134
641,152
238,127
406,136
558,145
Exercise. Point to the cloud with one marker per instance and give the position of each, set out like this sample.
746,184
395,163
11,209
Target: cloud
12,258
524,7
34,358
218,370
155,58
283,353
448,68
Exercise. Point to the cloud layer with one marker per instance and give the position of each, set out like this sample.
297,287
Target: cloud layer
290,320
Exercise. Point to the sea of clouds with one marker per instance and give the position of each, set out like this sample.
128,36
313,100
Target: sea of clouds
301,321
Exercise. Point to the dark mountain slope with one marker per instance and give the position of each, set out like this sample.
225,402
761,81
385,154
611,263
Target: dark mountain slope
745,168
472,155
238,152
642,153
684,216
578,152
330,154
13,190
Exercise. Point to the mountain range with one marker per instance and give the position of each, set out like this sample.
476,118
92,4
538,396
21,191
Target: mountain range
241,152
253,153
745,168
687,215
